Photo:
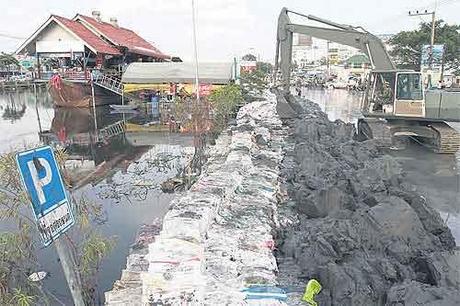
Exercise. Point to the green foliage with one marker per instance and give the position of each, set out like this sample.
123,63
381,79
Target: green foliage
249,57
94,249
225,102
21,299
255,82
407,45
8,61
265,68
17,250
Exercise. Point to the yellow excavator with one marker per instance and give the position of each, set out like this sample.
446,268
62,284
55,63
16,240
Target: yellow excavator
395,103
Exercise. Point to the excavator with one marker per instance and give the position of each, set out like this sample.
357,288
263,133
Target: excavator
395,105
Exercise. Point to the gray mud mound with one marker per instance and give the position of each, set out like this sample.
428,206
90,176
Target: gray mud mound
352,222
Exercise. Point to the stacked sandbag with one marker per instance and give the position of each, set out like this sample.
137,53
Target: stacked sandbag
216,244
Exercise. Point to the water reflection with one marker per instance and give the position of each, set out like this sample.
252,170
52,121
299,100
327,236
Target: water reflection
13,111
336,103
120,168
19,121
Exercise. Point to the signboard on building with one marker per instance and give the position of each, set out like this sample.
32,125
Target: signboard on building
304,40
205,90
248,66
99,60
43,183
438,54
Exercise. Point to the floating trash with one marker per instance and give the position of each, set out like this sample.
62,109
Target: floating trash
37,276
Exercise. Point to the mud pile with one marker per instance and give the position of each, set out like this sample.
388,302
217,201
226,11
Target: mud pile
352,222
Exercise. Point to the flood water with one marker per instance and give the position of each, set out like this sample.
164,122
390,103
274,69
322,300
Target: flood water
436,176
120,171
123,172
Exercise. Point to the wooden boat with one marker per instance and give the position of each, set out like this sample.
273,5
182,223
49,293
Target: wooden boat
132,127
122,108
78,94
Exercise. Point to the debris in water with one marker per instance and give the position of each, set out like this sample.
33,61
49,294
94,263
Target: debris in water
257,292
37,276
147,235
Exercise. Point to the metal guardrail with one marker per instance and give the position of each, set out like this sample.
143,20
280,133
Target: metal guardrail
111,130
109,83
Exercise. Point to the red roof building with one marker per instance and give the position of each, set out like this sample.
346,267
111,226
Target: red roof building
91,39
87,42
121,37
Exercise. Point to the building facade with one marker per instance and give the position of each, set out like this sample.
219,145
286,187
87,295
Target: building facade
72,47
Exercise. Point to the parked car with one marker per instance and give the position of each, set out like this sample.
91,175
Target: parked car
337,83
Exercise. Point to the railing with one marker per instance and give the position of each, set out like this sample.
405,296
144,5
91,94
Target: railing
111,130
67,75
75,75
109,83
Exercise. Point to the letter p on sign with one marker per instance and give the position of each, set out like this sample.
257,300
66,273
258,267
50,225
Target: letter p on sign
39,183
42,180
43,183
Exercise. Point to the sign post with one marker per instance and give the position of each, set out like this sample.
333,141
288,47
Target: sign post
43,183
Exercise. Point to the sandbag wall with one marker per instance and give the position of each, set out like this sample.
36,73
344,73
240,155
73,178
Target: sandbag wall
216,240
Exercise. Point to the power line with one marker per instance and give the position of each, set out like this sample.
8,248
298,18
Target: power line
11,36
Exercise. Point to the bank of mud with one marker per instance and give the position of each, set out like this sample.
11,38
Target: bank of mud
349,219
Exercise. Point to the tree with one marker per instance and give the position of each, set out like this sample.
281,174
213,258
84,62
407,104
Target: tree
8,61
225,102
265,68
407,45
249,57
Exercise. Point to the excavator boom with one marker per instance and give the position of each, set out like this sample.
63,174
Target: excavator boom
355,37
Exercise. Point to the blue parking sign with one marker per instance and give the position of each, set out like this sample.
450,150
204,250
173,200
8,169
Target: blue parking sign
43,183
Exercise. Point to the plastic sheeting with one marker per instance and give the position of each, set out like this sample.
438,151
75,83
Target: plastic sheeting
172,72
216,244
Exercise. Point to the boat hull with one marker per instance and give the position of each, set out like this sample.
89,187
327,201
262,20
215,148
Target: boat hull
78,94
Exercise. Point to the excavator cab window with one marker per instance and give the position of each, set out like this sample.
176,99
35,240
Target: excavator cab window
383,84
409,86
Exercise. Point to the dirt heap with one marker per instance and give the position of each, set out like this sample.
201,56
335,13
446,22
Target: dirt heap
352,222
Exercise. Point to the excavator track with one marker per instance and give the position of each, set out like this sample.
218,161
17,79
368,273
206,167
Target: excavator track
375,129
447,140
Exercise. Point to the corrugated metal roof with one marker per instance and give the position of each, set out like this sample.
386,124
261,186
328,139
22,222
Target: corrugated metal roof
124,37
87,36
358,59
172,72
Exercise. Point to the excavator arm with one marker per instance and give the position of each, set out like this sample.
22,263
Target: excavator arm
348,35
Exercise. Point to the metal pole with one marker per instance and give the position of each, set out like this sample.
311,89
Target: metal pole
36,109
68,266
433,27
122,95
94,101
195,53
442,63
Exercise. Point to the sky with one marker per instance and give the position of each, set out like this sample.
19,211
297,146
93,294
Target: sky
225,28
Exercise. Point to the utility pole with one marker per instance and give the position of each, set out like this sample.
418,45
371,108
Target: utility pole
71,274
195,53
433,26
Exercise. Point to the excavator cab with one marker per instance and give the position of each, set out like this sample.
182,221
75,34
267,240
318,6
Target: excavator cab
395,93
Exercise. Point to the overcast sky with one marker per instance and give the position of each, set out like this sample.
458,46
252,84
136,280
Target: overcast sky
226,28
